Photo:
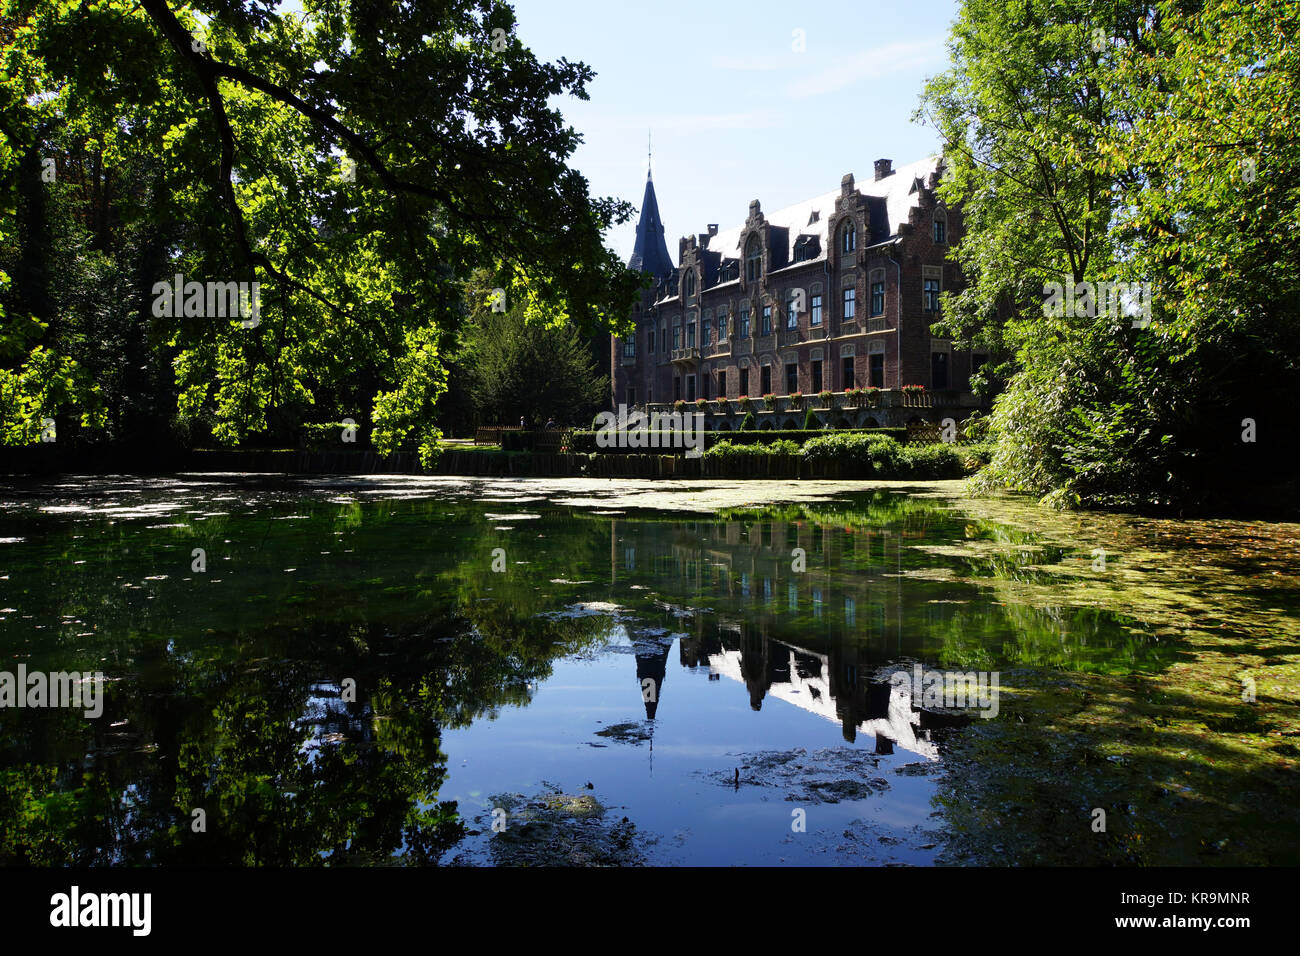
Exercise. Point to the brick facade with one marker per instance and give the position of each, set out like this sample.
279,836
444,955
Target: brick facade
800,255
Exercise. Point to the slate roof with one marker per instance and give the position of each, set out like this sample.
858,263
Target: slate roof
650,254
894,196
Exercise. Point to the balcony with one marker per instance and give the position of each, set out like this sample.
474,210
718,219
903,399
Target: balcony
689,354
788,337
879,325
717,348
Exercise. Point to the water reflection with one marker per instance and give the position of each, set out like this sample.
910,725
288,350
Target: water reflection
297,691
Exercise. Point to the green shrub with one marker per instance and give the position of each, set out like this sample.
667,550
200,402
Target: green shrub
810,419
931,461
747,423
877,455
728,450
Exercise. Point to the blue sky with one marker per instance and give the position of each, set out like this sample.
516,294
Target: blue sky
737,113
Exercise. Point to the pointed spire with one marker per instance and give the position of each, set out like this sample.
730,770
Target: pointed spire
650,254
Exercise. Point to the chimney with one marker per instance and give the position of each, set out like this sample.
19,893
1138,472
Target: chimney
846,184
713,229
884,167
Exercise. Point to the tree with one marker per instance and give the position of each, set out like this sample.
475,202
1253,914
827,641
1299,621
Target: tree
356,162
1085,142
536,370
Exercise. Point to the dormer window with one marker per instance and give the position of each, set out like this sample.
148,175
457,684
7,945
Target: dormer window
753,259
805,248
848,237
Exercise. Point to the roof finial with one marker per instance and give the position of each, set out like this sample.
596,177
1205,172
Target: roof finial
648,154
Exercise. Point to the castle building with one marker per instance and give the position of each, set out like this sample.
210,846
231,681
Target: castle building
834,292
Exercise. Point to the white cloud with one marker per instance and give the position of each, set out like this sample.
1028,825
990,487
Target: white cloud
880,61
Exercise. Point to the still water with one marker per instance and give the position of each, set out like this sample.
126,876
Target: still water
307,671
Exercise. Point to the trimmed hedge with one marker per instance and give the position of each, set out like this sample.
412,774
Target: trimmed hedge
585,442
880,456
801,435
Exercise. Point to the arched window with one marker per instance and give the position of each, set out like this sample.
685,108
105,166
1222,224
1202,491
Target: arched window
848,237
690,283
753,259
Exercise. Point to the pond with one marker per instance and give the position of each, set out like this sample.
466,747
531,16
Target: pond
492,672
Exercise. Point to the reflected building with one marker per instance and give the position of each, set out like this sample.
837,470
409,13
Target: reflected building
815,638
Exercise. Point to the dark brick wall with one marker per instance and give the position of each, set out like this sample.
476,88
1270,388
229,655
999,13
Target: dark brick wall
653,374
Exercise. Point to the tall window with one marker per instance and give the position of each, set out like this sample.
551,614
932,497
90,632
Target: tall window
816,377
815,317
848,237
931,295
940,228
846,372
791,378
876,369
650,337
753,259
722,383
791,311
850,303
690,283
938,369
722,326
706,333
744,382
767,321
744,322
765,380
677,337
877,296
690,334
629,347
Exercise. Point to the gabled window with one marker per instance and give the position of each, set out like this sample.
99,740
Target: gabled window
753,259
848,237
